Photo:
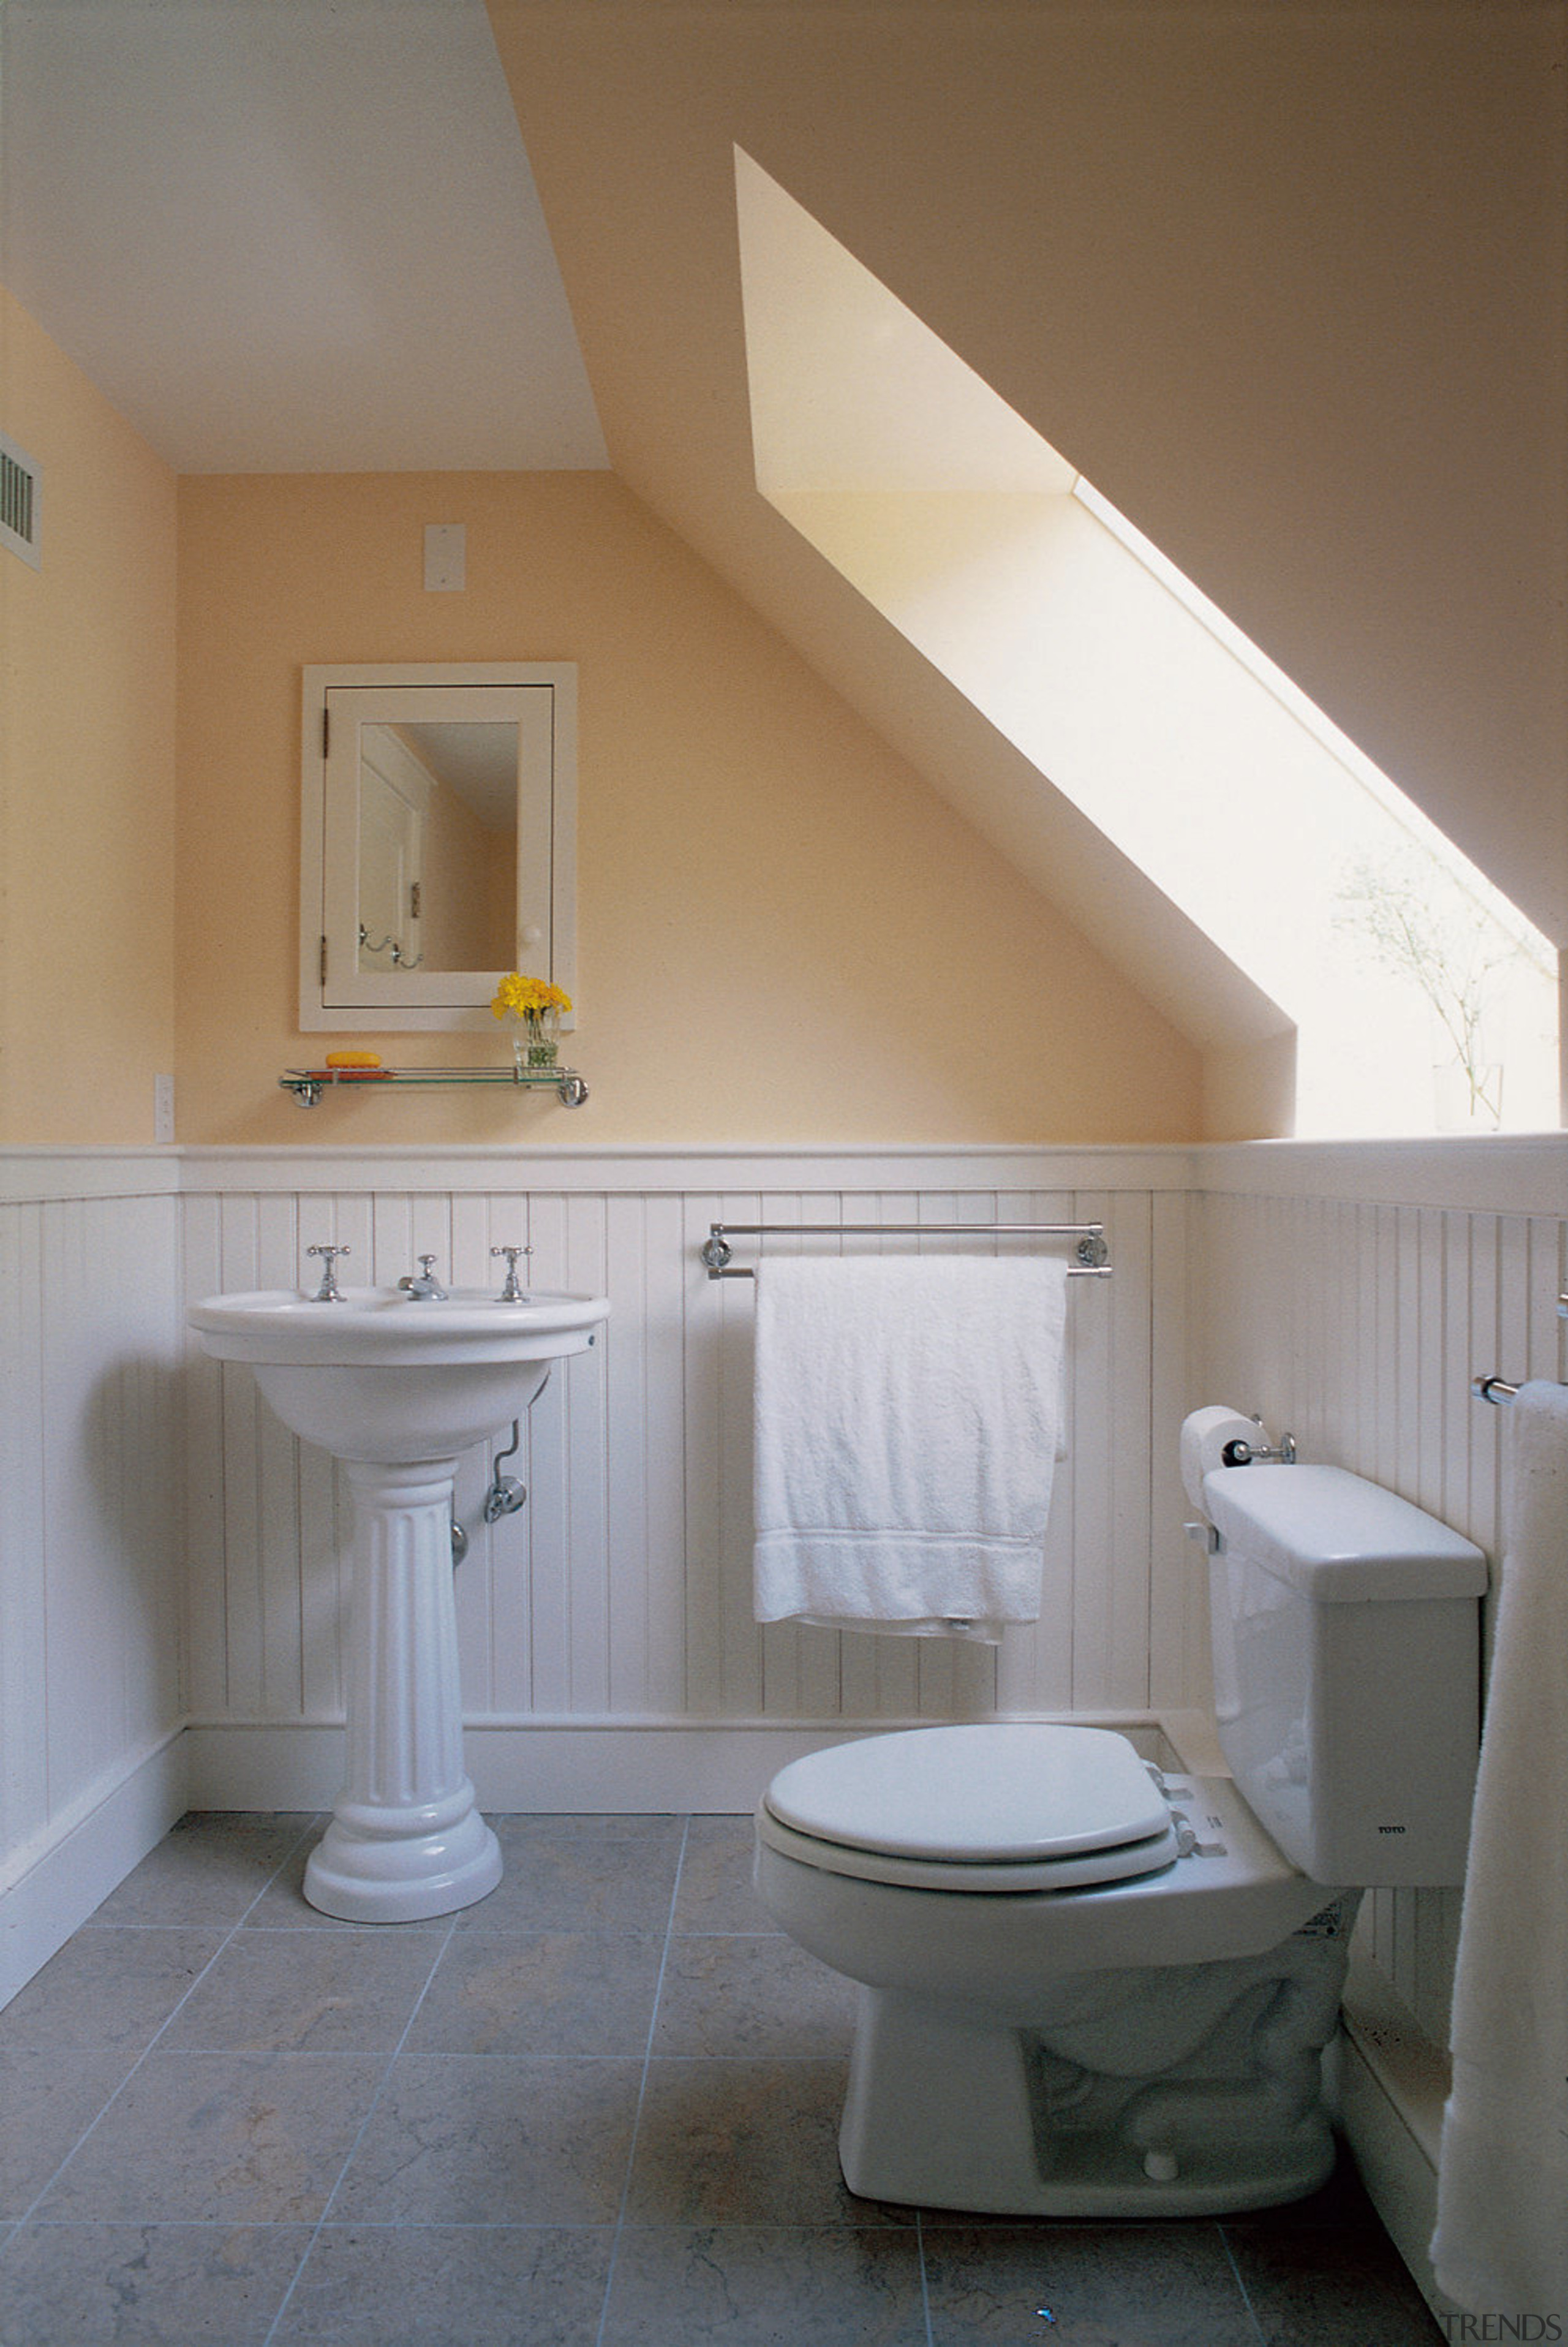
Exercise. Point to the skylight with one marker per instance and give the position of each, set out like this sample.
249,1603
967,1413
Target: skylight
1421,997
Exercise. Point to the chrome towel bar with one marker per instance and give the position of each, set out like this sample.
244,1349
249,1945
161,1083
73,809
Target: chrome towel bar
1500,1390
1093,1254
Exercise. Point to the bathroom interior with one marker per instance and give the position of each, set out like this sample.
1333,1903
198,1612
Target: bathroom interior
279,294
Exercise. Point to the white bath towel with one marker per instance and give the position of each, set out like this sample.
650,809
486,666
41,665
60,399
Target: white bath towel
908,1413
1500,2247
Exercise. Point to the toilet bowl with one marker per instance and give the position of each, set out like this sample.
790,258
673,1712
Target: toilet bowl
1092,1986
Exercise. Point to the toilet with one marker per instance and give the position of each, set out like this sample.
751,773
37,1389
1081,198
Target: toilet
1094,1986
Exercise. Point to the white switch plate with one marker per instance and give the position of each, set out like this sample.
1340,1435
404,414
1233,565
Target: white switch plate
446,556
163,1108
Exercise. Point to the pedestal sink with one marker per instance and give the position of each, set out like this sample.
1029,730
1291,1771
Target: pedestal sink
395,1387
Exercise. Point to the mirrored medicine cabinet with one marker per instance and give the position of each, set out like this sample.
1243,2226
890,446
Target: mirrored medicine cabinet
438,840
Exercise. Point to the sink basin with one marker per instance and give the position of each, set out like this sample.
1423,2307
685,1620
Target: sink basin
396,1387
381,1377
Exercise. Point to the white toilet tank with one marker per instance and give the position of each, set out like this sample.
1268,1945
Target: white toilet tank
1346,1628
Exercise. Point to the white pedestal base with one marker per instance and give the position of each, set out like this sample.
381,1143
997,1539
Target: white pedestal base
406,1840
366,1873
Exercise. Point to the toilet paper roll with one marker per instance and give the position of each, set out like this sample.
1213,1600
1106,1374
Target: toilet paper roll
1203,1437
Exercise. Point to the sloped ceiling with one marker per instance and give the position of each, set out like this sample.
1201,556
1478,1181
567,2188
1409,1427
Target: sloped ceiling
289,235
1285,283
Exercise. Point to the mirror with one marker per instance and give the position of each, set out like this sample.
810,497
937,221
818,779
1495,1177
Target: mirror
437,843
437,864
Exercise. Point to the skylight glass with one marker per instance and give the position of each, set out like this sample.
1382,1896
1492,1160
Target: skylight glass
1421,998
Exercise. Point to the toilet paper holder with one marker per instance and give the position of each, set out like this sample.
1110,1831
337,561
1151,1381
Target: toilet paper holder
1239,1452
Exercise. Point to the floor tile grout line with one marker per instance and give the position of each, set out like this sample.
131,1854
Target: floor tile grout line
883,2229
375,2101
730,1935
168,2019
925,2283
1240,2284
643,2082
324,2224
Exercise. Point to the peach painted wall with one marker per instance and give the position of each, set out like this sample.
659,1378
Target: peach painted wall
1284,280
784,934
86,763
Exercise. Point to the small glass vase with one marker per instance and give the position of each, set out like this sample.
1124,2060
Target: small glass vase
535,1040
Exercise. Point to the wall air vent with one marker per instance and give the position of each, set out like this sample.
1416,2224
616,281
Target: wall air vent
21,494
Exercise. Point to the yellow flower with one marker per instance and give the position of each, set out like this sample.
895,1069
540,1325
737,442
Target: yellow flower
517,997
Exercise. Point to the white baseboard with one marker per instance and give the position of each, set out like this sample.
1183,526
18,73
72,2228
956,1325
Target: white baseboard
566,1766
56,1885
1392,2083
578,1768
263,1768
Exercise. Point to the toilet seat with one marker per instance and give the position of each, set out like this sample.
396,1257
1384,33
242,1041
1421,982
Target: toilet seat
1002,1807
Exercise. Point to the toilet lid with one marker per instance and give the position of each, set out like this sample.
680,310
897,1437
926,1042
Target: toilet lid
996,1794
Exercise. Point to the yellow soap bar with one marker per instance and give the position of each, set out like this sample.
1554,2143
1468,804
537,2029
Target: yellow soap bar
353,1059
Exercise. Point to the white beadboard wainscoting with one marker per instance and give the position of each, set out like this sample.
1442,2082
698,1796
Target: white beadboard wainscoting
91,1706
608,1655
1359,1323
1350,1294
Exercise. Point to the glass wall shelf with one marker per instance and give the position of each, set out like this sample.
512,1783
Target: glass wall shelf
308,1084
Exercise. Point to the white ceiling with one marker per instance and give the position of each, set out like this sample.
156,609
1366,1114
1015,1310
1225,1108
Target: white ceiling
290,235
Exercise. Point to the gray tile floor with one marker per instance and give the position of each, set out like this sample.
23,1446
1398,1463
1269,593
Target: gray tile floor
598,2110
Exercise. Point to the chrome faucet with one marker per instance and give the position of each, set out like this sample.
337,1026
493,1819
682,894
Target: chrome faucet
511,1292
329,1292
423,1286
